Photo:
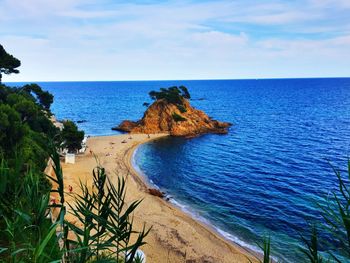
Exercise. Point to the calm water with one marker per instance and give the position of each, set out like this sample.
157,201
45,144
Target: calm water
264,177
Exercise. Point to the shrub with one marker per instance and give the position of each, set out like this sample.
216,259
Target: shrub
181,108
178,117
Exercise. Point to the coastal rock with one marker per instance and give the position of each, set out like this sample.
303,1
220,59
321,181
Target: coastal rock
156,192
175,119
126,126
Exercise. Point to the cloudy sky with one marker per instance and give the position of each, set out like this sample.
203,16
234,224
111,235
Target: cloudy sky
140,40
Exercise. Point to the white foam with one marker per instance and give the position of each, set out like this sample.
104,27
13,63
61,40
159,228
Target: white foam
237,240
224,234
188,210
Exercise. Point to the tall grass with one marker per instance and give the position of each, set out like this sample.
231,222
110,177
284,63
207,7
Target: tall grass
27,233
107,223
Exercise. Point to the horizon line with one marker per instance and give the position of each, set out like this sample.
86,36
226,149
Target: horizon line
150,80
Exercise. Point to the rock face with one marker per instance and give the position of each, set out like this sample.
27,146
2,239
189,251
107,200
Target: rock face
177,120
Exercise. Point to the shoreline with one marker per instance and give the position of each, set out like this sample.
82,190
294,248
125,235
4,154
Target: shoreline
177,205
176,236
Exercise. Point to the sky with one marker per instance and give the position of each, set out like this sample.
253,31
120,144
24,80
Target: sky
87,40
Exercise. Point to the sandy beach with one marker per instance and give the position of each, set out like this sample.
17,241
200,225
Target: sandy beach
175,236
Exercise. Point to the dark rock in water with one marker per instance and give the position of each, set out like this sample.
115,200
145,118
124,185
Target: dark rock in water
81,121
156,192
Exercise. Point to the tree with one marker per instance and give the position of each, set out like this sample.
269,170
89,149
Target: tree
71,136
185,92
174,95
44,98
12,129
8,63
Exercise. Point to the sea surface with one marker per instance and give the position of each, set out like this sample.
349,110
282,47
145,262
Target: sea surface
264,178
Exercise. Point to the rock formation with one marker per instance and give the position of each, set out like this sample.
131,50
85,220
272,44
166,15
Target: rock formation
175,119
156,192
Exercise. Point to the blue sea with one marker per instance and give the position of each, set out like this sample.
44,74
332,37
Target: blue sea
264,178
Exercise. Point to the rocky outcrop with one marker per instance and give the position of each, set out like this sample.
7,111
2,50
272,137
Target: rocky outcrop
175,119
156,192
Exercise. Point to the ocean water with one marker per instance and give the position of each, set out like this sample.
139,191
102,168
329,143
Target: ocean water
263,178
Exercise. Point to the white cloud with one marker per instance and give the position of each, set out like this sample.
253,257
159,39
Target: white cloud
80,40
331,3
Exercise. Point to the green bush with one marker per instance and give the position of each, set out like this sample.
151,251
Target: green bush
178,117
25,128
181,108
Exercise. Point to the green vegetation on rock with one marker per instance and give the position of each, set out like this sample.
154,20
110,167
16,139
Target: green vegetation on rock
178,117
174,95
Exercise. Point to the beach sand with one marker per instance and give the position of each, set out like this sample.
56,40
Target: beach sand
175,236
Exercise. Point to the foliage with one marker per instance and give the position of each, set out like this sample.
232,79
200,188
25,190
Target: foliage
8,63
266,248
71,136
312,246
106,220
181,108
25,128
184,92
177,117
174,95
12,129
44,97
26,234
336,217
